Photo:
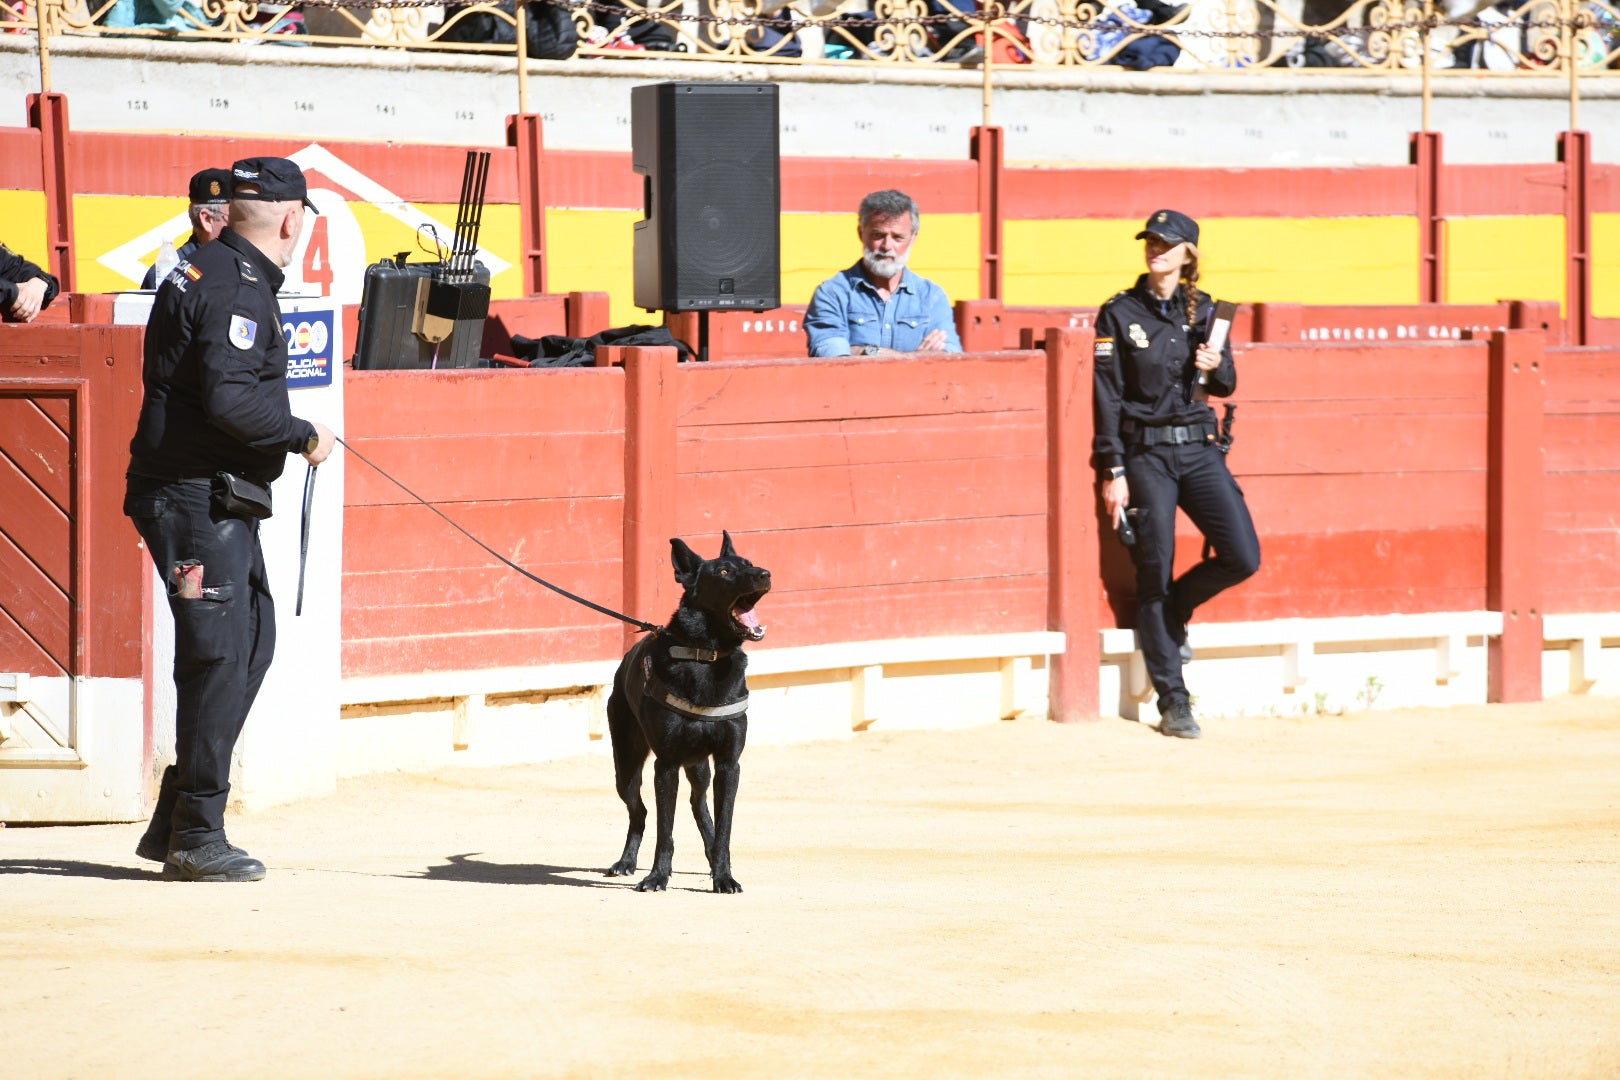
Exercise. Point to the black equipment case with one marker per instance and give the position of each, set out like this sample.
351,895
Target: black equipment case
388,306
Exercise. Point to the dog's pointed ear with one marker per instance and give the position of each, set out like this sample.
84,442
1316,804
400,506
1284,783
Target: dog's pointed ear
726,550
684,560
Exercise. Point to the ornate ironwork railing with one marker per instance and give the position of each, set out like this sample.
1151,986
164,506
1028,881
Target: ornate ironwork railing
1579,37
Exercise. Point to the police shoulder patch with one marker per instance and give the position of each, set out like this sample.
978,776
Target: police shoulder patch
249,275
243,331
1104,348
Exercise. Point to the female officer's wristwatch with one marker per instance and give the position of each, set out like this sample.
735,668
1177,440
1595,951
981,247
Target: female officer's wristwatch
312,443
1116,472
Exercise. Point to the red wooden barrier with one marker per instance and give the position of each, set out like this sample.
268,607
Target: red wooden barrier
531,463
1581,484
1074,591
737,335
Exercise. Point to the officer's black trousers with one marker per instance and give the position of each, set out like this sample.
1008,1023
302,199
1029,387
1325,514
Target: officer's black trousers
1193,476
223,642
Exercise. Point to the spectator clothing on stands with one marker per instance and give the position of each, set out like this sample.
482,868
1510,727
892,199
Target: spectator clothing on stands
14,270
847,312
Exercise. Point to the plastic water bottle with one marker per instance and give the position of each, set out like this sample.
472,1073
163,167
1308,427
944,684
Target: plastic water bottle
166,260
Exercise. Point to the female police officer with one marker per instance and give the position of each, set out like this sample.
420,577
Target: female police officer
1156,450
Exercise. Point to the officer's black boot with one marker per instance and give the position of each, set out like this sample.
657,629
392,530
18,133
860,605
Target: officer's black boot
214,861
1177,720
154,844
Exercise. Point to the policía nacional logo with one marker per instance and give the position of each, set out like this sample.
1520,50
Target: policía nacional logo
242,331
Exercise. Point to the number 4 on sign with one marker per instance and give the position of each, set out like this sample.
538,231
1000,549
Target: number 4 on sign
318,260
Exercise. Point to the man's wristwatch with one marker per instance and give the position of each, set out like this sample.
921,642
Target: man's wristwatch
865,350
312,443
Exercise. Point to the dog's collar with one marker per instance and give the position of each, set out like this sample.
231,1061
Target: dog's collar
708,656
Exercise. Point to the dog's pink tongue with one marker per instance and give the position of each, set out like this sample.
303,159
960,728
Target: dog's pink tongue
750,622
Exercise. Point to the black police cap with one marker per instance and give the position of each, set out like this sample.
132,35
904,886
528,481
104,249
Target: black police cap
1172,226
211,186
278,180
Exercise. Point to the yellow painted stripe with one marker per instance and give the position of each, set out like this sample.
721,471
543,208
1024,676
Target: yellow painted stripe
1606,266
23,213
1504,258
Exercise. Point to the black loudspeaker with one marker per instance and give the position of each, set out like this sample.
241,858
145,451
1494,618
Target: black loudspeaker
711,239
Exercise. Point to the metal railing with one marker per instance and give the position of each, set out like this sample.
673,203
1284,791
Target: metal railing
1580,38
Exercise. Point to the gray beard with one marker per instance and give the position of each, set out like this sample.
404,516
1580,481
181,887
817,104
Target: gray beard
884,266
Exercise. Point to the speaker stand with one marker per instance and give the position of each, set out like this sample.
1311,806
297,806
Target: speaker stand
703,336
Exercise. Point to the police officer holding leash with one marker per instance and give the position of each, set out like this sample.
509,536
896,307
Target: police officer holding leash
215,429
1158,447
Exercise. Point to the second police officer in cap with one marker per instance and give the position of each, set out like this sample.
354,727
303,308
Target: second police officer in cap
1156,449
215,429
209,211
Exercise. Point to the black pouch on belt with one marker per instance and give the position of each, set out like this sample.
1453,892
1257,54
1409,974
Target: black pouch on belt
238,495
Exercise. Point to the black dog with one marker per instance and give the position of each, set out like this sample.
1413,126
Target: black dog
681,693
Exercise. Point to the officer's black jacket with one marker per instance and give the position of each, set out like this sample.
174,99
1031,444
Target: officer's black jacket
14,270
1144,366
216,370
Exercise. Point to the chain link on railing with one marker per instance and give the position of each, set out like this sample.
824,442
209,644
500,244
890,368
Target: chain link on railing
1533,36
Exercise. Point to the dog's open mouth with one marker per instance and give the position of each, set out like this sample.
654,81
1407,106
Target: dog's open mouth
742,612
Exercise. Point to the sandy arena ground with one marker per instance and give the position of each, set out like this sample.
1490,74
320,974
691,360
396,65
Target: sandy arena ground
1397,894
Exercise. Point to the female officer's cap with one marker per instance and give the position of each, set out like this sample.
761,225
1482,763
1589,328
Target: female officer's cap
1171,225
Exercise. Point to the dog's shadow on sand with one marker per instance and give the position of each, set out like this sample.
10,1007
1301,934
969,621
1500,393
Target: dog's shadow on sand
469,868
75,868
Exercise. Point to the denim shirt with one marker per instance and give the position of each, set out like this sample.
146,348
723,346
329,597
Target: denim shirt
847,311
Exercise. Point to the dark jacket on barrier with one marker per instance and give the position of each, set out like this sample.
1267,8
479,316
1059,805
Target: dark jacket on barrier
1145,374
14,270
216,371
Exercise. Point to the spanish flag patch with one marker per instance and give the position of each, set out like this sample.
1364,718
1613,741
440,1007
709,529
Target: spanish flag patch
193,273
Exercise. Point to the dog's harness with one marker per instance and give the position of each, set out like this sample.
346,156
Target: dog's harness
639,666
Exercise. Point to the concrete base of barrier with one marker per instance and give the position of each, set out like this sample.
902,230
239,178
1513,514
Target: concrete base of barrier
1284,667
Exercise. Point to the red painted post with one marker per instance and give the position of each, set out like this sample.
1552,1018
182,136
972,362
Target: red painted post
1426,155
649,485
586,313
1074,583
524,132
1277,322
985,147
48,113
978,324
1575,151
1513,512
1538,315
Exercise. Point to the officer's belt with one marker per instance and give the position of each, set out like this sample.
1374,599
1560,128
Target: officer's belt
1174,434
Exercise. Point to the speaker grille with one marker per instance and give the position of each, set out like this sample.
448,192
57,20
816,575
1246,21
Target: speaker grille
726,201
712,237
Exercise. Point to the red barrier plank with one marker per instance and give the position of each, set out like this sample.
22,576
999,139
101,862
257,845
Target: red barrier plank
745,392
22,651
35,524
363,657
1376,502
492,402
1299,373
135,163
928,609
20,160
1582,443
469,468
868,441
1577,501
1581,379
912,553
34,603
814,498
540,535
37,447
1042,194
1323,443
1501,190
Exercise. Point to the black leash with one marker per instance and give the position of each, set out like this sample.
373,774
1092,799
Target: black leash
303,535
559,590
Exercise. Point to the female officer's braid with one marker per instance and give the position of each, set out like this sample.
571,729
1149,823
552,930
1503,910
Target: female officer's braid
1189,287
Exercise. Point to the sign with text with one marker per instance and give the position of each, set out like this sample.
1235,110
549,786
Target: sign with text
310,345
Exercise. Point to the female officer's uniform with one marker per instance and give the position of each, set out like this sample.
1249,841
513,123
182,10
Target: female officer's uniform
1151,423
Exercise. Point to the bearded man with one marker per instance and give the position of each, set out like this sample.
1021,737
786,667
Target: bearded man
877,307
